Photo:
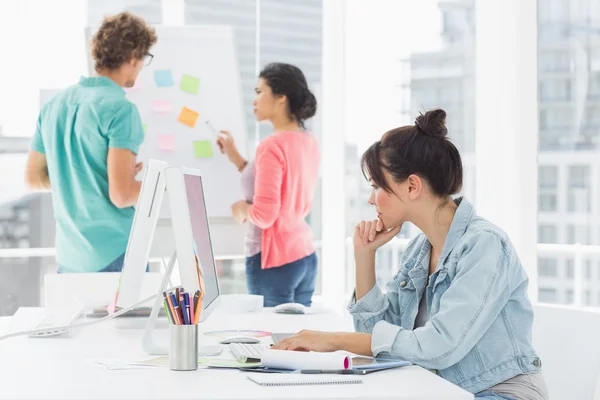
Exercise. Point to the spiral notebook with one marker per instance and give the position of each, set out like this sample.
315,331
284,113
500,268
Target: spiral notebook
299,380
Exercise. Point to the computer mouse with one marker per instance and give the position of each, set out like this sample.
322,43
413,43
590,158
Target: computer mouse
240,339
290,308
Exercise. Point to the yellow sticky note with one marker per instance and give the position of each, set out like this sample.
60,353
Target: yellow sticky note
203,149
188,117
190,84
145,127
166,142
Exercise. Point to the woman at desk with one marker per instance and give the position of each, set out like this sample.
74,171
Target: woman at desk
279,187
458,304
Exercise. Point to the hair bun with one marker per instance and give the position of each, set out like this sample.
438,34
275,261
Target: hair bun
309,106
432,123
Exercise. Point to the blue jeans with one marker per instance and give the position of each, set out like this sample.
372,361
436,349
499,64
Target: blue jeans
115,266
290,283
492,396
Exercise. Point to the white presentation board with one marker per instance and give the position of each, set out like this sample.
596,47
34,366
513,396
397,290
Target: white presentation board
193,78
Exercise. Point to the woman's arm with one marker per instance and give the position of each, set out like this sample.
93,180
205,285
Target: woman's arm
269,167
475,298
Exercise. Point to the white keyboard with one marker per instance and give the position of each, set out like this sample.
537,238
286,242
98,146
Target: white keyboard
248,352
54,320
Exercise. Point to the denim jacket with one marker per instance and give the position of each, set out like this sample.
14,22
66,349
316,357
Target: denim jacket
480,318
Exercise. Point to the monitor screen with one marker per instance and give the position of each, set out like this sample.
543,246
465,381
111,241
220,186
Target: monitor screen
201,233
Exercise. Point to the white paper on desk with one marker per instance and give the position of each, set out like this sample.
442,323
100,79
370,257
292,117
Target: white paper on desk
294,360
116,364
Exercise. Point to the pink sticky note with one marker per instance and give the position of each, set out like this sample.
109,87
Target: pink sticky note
166,142
161,106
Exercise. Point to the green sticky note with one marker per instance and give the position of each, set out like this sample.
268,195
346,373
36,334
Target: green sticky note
145,127
190,84
203,149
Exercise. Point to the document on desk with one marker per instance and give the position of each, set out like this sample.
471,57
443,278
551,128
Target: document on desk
295,360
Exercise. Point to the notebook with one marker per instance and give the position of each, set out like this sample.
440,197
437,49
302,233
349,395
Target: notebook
297,380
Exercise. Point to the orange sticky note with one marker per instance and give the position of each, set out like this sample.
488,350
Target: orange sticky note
166,142
188,117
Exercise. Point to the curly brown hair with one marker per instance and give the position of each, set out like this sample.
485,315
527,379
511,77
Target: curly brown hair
120,38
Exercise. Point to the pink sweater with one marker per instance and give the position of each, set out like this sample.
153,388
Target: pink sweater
286,168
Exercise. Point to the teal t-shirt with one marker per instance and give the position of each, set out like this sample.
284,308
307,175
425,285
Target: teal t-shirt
75,129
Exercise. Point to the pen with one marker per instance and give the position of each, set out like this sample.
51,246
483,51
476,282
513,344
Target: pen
186,311
212,128
198,306
196,295
176,315
334,371
167,308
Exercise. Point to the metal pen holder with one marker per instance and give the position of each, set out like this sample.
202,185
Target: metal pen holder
183,354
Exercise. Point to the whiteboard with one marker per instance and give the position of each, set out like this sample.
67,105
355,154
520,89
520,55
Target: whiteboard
193,78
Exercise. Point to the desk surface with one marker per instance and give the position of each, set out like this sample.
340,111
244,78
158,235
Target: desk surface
53,368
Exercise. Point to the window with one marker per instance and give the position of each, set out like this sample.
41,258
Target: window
555,90
547,295
268,31
547,202
569,270
437,75
547,234
548,176
579,177
569,296
578,234
547,267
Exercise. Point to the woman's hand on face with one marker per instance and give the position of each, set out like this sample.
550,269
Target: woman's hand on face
309,341
371,235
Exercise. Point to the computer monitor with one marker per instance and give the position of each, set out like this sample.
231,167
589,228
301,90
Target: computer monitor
141,235
191,232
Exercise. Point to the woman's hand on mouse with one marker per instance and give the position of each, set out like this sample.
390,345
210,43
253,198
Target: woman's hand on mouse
371,235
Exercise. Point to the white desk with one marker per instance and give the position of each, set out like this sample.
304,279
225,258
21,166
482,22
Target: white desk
60,368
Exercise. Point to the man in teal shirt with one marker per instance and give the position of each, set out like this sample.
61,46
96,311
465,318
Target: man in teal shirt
84,151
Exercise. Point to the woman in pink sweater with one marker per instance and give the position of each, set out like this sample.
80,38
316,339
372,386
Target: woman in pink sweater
279,186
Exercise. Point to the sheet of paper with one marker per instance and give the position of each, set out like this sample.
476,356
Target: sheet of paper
161,106
203,149
305,360
163,78
166,143
190,84
188,117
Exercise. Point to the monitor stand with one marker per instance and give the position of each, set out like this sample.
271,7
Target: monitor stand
149,342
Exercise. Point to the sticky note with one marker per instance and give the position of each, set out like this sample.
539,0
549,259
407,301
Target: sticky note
188,117
161,106
189,84
163,78
145,127
203,149
166,142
